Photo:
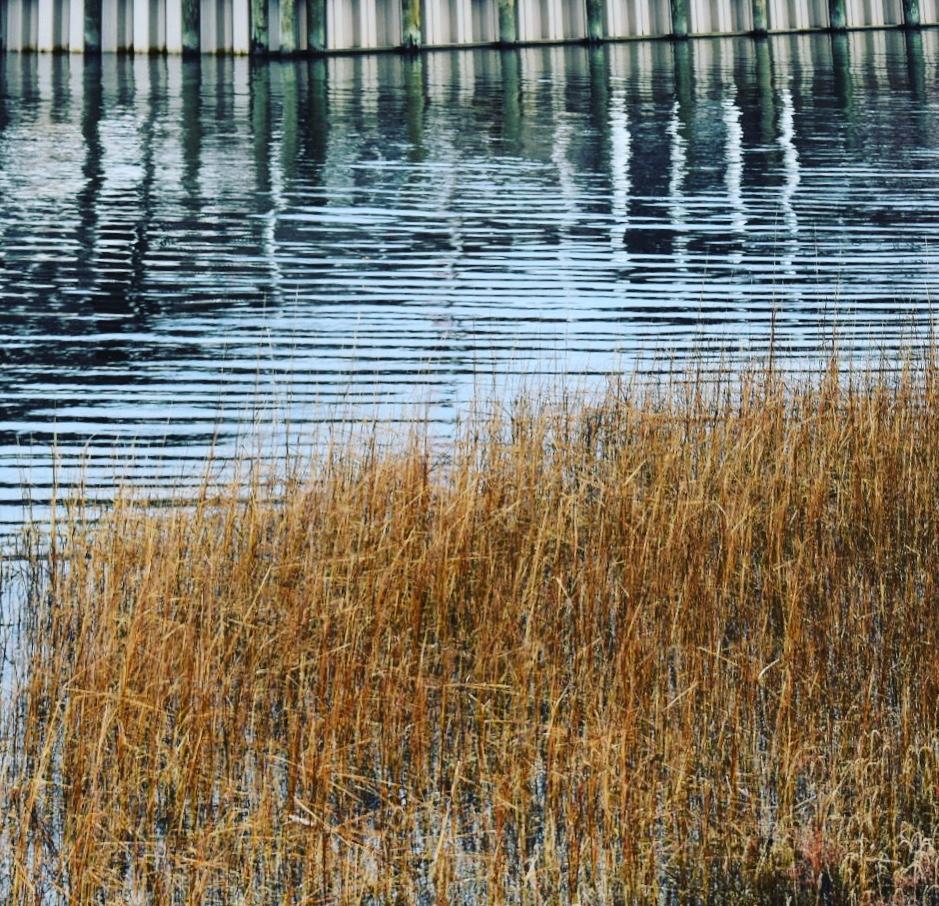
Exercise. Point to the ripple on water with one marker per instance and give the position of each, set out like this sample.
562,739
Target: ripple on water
193,249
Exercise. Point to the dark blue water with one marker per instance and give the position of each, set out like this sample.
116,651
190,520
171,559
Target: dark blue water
190,248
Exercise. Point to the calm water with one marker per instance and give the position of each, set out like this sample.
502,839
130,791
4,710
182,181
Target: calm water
186,246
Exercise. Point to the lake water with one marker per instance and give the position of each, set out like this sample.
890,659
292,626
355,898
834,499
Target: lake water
187,247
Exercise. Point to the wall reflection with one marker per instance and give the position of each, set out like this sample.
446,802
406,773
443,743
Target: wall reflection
375,230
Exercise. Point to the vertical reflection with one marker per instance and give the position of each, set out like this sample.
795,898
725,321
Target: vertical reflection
791,178
60,88
266,179
316,113
510,65
289,105
620,159
413,71
260,88
733,171
916,64
150,69
28,79
116,225
92,172
841,69
598,63
191,97
679,133
684,82
560,157
4,115
764,82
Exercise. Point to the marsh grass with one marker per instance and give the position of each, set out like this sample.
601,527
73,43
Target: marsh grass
676,645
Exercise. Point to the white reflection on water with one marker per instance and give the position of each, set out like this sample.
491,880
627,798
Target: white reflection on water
192,247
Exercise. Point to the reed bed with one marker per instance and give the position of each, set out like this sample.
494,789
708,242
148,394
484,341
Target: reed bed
676,645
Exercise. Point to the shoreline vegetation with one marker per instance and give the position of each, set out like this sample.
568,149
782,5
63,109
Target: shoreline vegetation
676,645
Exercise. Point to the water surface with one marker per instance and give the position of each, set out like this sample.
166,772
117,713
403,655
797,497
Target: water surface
189,246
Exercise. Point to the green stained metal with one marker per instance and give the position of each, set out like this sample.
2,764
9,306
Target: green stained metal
912,17
508,22
191,12
596,26
92,26
760,17
680,19
411,24
260,37
837,15
288,26
316,25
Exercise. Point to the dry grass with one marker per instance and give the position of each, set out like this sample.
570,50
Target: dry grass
679,646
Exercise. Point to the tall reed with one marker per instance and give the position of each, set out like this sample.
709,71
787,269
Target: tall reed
678,645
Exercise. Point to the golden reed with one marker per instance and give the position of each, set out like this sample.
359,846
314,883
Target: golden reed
673,646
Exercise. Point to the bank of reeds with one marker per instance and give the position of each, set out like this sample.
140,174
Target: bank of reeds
678,646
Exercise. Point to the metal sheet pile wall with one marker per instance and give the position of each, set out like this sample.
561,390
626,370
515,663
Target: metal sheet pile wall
288,26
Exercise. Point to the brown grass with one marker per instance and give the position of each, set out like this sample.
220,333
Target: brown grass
679,646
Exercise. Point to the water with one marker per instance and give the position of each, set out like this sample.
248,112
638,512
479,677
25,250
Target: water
190,247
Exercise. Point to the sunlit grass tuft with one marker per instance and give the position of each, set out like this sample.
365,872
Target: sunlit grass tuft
679,645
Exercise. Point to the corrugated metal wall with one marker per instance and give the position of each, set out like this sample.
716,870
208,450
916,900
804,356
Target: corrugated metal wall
155,25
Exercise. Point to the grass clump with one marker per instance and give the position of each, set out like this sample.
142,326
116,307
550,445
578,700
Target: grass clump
675,646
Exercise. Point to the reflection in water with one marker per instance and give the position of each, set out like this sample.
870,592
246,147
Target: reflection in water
226,239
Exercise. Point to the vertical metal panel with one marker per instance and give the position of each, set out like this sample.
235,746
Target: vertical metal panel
174,26
45,25
485,21
797,15
229,25
721,16
76,26
22,20
436,22
365,23
117,17
557,20
388,23
338,24
862,13
216,26
241,26
143,14
355,24
459,21
208,26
